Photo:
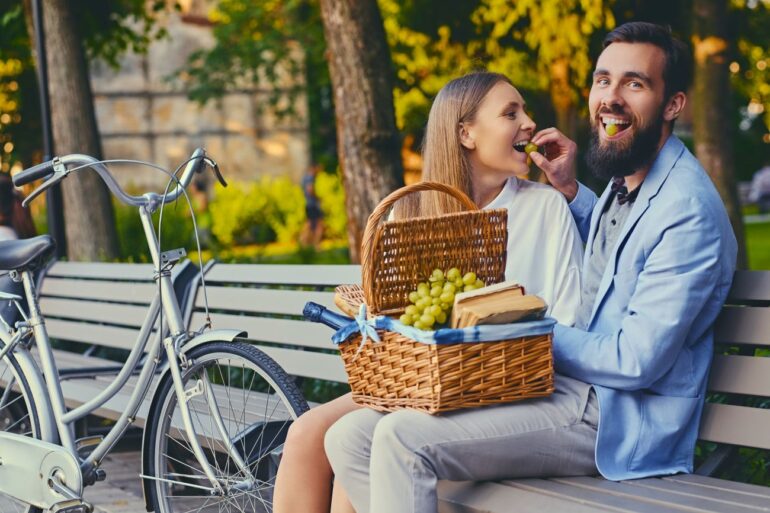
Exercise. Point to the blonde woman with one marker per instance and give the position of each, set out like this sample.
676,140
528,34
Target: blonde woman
474,140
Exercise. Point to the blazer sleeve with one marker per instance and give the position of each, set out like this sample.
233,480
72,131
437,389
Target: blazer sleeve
676,281
582,206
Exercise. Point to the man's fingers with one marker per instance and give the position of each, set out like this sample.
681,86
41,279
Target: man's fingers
540,161
547,135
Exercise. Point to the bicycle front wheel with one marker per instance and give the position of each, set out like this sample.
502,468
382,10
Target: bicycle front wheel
256,401
18,415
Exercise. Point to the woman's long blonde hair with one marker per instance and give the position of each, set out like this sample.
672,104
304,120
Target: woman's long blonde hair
445,160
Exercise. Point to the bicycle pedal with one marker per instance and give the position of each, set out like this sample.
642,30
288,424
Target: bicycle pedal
82,507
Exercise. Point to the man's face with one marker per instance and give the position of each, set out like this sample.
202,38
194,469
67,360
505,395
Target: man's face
626,108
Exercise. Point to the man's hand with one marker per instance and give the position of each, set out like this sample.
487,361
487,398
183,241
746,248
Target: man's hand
558,164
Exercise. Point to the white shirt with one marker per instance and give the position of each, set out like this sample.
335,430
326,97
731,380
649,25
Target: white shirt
544,247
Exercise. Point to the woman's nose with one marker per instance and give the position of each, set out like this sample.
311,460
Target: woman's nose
527,124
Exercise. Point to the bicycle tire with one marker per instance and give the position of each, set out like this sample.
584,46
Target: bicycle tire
12,418
255,436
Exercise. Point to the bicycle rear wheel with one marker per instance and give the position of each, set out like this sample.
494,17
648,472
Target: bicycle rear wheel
257,402
18,415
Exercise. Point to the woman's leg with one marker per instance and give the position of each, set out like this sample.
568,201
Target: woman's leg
304,476
340,501
392,463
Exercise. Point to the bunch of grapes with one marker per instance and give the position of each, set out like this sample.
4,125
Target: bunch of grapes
432,301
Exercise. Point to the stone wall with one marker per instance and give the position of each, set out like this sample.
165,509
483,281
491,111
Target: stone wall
143,115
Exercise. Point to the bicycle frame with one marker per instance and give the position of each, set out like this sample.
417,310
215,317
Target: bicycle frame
45,378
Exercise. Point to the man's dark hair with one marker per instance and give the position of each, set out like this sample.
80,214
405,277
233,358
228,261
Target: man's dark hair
677,72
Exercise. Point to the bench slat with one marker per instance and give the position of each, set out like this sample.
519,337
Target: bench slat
595,498
722,494
102,270
109,336
743,325
740,375
288,302
737,425
101,290
661,495
704,482
750,286
110,313
278,331
470,497
308,363
328,275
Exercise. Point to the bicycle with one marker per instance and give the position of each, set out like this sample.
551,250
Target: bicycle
218,415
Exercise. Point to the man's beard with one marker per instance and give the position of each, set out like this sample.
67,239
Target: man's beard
612,160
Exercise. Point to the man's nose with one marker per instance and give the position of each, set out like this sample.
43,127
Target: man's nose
612,97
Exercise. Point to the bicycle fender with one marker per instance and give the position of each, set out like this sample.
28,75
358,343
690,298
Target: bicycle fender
213,336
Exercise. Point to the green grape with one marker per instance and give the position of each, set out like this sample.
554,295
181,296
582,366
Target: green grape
437,275
436,301
453,274
469,278
406,319
612,129
447,297
441,318
411,310
419,325
413,297
450,287
423,289
434,310
416,316
436,291
427,320
459,283
529,148
446,306
479,284
469,288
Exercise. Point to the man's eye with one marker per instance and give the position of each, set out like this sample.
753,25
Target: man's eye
602,81
635,85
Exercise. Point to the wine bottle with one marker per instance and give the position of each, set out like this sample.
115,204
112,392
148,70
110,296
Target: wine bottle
317,313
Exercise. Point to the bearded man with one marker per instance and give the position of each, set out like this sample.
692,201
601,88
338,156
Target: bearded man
659,260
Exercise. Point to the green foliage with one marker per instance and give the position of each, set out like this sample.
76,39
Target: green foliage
264,211
331,194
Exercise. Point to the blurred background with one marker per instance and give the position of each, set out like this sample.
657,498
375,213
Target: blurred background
269,87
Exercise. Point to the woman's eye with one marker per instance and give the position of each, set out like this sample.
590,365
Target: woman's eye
510,115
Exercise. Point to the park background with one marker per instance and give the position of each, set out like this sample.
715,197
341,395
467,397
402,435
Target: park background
270,87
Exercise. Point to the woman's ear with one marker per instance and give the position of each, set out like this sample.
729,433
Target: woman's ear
675,106
466,137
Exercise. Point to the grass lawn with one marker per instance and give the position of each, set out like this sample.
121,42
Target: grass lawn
758,245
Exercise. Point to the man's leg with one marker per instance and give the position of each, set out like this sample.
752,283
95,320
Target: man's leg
409,451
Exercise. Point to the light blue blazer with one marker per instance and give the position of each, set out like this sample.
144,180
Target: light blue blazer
648,344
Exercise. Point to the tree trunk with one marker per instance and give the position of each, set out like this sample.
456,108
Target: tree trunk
367,139
90,221
712,122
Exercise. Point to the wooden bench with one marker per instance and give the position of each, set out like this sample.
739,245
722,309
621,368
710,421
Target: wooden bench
267,301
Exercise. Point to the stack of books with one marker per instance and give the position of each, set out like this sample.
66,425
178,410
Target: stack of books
502,303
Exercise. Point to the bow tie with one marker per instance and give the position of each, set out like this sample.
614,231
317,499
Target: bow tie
620,190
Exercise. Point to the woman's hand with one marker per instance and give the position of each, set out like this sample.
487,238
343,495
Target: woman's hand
558,163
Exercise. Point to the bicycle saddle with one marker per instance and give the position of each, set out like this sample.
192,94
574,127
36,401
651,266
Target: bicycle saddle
16,254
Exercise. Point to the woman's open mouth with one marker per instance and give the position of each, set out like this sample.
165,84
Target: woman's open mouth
614,126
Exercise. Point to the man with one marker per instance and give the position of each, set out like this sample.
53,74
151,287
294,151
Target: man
659,260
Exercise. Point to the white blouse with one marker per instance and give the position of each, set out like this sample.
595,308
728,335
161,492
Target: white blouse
544,248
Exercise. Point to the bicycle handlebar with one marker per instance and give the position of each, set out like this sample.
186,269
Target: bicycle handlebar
62,166
34,173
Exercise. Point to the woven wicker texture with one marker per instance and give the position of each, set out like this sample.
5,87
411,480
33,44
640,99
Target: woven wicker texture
401,373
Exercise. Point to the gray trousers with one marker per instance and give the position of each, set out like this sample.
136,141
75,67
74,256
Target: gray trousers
390,463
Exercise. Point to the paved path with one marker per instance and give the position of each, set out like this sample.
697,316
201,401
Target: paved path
122,491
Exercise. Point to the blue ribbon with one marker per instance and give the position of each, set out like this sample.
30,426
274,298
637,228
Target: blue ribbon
362,325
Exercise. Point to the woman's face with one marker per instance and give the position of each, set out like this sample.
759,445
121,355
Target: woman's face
500,123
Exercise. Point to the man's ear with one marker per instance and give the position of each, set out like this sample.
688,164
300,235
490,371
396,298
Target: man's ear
675,106
466,137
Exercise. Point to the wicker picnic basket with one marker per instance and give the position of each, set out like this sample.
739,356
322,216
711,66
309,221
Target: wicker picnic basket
399,372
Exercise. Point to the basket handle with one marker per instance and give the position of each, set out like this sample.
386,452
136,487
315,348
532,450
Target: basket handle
368,244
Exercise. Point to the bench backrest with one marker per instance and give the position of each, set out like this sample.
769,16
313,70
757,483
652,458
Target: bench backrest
743,331
102,304
267,301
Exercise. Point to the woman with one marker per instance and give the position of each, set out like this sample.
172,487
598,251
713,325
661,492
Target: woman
475,135
15,221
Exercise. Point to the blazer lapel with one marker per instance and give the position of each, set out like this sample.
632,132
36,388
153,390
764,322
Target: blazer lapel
665,161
